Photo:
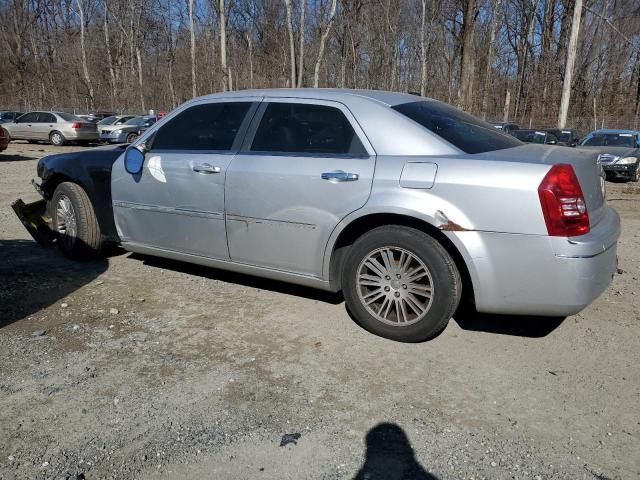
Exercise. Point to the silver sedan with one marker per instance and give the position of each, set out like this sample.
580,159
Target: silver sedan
405,204
57,128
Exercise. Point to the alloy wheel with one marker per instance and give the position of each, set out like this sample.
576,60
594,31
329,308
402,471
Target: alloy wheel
66,221
395,286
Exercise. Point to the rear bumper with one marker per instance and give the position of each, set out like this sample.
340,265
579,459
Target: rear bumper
540,275
75,135
114,138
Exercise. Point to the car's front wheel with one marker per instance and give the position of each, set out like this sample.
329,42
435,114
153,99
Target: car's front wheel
131,137
74,222
400,283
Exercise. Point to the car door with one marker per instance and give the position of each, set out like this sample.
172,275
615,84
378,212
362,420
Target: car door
23,125
177,202
306,167
45,123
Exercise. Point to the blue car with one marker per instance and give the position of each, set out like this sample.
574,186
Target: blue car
619,152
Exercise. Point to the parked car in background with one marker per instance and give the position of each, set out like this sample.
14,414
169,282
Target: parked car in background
406,204
101,115
567,136
116,120
88,118
541,137
506,127
57,128
128,131
4,139
619,152
9,116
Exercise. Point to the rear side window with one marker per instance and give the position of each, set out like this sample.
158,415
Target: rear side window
464,131
306,129
47,118
210,126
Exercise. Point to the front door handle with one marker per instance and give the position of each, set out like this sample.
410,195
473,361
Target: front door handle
339,176
206,168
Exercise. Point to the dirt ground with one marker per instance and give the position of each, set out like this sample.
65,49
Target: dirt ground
135,367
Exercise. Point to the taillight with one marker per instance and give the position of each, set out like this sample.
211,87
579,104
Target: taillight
562,201
76,125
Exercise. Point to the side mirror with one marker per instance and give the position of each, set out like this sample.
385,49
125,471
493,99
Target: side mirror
134,159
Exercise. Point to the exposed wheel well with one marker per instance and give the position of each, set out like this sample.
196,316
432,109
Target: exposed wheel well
362,225
53,181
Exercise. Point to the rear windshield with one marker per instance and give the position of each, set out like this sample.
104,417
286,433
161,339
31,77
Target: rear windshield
468,133
66,116
137,121
610,140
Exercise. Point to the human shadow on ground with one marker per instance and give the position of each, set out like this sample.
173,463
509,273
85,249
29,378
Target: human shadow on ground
5,157
240,279
33,277
389,456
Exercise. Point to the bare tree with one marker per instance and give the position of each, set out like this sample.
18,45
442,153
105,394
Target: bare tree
571,60
323,41
423,51
490,50
226,75
192,34
292,48
301,47
465,83
83,49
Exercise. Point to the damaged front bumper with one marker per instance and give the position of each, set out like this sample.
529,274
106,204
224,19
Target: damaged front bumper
35,219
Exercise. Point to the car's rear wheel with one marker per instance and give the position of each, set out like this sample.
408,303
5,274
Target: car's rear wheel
131,137
57,139
74,222
400,283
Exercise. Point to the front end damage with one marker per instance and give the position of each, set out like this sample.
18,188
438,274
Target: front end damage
35,218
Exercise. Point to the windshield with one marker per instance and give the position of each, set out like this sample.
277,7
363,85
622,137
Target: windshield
609,140
138,121
107,121
466,132
530,136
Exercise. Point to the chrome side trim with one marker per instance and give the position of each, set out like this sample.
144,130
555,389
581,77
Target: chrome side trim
176,211
279,275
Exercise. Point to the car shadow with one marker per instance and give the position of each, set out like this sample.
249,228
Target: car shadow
33,277
514,325
240,279
390,456
15,158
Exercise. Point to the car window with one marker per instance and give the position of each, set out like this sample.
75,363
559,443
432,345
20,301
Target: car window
136,121
302,128
209,126
464,131
28,118
610,140
46,118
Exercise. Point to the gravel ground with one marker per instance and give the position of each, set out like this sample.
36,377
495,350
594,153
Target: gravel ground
135,367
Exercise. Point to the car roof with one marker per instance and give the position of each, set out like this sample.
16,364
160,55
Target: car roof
615,130
337,94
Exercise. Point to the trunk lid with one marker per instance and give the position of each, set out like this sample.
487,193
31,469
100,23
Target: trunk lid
585,164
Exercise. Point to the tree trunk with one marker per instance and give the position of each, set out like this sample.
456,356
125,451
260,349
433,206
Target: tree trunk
465,82
83,51
301,48
107,45
488,69
423,51
292,48
194,89
250,43
571,60
545,52
140,82
223,45
323,41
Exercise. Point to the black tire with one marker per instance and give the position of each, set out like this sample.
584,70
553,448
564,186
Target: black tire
131,137
57,139
636,174
446,285
84,241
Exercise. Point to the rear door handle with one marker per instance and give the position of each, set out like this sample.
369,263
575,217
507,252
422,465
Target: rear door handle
339,176
206,168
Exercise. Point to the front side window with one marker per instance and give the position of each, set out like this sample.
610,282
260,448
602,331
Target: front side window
28,118
464,131
210,126
306,129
